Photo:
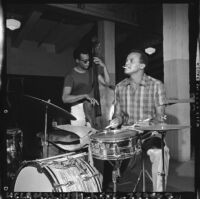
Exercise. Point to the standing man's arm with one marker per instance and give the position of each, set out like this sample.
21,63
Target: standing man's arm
105,79
68,98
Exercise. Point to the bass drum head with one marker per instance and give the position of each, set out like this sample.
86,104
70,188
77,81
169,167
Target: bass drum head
30,180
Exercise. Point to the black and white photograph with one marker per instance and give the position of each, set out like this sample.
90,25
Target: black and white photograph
100,98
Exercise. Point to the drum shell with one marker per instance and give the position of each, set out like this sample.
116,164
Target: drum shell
66,173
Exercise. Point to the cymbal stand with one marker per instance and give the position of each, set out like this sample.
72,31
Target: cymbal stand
143,172
45,132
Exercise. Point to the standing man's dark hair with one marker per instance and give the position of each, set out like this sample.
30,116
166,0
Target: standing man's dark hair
80,50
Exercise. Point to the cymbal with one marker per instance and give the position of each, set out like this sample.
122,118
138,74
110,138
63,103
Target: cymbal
161,127
81,131
53,107
171,101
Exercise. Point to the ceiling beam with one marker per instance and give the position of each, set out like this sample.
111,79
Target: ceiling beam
26,28
95,10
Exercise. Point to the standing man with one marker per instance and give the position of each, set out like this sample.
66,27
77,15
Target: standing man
78,86
140,98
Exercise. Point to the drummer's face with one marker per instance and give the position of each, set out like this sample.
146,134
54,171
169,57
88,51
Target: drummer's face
133,63
84,61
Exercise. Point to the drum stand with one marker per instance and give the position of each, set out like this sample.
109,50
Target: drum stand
163,133
115,174
143,172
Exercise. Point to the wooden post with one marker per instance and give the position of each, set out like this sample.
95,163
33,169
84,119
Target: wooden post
176,76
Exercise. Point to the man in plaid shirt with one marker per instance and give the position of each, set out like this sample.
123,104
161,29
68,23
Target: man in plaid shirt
142,98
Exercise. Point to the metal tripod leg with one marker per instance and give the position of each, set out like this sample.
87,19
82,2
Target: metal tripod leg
142,172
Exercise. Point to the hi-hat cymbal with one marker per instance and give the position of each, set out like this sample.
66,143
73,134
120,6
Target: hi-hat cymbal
161,127
53,107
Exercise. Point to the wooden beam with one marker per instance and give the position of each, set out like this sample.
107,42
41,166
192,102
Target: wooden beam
26,28
87,9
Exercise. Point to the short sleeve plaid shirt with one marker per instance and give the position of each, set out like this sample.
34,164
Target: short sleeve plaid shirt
138,102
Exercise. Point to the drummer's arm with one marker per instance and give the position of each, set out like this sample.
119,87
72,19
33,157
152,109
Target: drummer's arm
160,115
117,119
160,102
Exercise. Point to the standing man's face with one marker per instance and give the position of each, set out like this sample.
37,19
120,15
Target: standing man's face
84,61
133,63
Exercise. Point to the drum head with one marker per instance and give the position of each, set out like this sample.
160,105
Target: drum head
63,173
114,135
38,183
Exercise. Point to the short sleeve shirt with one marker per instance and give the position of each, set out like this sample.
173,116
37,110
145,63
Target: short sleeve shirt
138,102
81,83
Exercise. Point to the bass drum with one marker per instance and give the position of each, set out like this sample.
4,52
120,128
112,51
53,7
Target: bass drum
63,173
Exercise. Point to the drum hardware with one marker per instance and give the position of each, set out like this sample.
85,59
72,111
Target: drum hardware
86,178
56,157
69,183
143,171
162,128
115,175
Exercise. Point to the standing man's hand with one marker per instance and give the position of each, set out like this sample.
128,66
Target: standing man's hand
92,100
98,61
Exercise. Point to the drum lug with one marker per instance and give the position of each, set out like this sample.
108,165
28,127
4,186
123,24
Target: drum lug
68,184
131,145
86,178
117,151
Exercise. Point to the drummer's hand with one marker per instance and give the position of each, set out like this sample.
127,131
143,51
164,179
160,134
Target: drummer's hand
115,123
91,100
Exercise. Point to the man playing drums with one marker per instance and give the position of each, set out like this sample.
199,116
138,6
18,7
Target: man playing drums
142,98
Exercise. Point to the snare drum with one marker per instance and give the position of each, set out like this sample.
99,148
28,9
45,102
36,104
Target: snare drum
114,144
63,173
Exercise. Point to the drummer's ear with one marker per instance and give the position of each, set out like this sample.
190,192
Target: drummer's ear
142,66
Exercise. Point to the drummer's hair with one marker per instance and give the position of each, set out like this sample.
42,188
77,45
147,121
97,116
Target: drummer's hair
80,50
143,56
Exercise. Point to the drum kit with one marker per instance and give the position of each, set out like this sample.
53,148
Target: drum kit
71,172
